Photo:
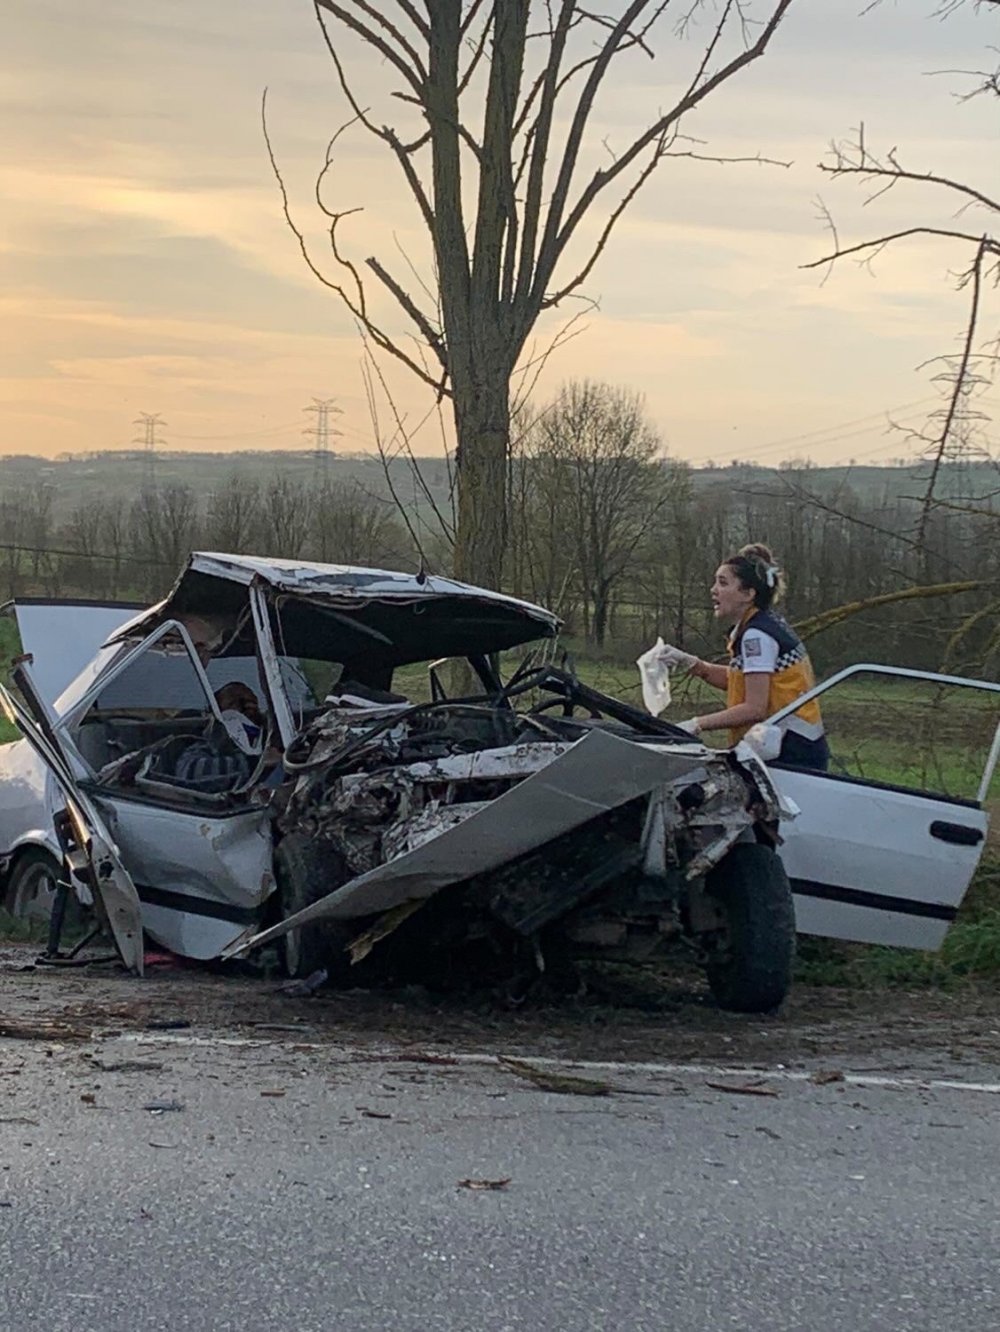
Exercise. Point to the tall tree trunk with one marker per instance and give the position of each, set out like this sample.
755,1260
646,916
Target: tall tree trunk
602,607
482,424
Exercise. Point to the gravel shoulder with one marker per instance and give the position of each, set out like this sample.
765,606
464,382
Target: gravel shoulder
619,1018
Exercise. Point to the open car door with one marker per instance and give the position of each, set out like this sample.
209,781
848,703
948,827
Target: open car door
114,893
196,844
886,842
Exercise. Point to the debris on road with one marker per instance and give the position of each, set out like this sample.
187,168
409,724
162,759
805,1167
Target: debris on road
128,1066
565,1084
742,1088
163,1107
42,1029
302,989
484,1185
274,1091
167,1024
822,1077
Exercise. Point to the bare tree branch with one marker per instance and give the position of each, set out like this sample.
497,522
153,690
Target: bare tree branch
864,165
559,230
817,624
881,242
961,388
414,74
355,302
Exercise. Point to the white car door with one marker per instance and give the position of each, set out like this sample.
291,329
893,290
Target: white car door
96,860
201,865
889,861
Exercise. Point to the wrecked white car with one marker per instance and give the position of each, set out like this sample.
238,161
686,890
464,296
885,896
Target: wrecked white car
515,827
509,830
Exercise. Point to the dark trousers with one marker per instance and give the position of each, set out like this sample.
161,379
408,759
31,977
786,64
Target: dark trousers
798,752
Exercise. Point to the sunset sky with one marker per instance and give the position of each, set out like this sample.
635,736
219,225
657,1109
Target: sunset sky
146,266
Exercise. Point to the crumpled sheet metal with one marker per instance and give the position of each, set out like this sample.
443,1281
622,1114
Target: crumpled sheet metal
597,774
337,584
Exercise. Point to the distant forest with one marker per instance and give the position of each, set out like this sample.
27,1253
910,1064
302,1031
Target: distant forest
622,548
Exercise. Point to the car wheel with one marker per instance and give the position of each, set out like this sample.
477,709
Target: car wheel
31,886
306,869
749,967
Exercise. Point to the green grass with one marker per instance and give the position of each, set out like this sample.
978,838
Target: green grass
13,929
10,646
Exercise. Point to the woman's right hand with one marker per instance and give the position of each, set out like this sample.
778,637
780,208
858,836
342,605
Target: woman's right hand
675,658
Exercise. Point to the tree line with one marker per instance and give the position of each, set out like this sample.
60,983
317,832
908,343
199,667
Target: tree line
606,529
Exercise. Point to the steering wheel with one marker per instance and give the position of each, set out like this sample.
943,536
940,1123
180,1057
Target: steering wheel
568,705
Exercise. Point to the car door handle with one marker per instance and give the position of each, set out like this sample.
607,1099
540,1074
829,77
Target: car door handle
962,834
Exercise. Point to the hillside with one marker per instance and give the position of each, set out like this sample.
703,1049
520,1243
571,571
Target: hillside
84,476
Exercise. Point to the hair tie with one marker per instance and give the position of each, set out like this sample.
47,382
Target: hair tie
771,572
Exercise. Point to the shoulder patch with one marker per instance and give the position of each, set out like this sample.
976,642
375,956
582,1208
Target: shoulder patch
752,647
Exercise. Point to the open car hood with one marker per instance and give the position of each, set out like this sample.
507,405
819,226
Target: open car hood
399,617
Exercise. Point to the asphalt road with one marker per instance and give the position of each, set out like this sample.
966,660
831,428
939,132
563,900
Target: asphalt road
334,1201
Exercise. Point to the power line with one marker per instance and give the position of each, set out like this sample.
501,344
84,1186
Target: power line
244,434
829,434
121,558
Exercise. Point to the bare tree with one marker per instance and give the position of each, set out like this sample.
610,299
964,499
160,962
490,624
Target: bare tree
352,527
951,432
164,525
97,533
38,518
599,482
233,513
286,515
494,112
14,527
114,540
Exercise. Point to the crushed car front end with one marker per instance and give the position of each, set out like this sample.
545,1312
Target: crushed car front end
532,834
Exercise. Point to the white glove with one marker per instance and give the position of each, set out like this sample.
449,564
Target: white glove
675,658
692,726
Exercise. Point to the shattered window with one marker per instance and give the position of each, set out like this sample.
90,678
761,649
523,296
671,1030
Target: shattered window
159,694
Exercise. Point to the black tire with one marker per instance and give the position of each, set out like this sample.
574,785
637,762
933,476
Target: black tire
31,885
306,869
750,970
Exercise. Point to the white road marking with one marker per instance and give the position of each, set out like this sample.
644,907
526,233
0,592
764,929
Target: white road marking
482,1059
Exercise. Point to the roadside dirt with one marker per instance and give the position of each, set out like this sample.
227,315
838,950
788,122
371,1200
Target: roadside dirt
620,1018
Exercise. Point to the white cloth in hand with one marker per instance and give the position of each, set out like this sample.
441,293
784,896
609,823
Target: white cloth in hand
692,726
654,676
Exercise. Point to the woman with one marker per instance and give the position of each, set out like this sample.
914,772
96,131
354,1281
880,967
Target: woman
768,665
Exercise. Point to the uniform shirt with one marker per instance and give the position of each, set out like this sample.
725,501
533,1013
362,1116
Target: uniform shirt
763,643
